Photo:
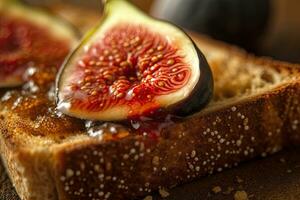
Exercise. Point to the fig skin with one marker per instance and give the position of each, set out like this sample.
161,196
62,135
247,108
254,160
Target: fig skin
197,99
202,93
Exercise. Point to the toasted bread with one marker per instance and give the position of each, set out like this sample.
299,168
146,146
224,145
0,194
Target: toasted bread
255,112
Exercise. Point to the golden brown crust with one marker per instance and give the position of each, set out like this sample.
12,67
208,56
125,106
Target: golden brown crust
212,140
200,145
28,169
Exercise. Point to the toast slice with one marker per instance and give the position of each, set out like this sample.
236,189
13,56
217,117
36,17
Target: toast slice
255,112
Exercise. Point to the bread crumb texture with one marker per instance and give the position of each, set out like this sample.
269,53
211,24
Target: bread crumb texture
163,193
240,195
148,197
216,189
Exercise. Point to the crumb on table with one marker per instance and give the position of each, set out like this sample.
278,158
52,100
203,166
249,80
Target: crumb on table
240,195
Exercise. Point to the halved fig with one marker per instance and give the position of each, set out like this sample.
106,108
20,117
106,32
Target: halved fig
132,65
30,37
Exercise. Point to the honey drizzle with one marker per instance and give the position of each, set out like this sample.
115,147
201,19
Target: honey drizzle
39,106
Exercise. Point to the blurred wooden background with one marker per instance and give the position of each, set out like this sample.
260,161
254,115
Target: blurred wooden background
281,39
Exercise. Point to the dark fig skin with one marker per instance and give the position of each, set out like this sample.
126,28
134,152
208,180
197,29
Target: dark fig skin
203,90
202,93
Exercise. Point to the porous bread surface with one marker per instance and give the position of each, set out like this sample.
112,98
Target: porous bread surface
237,75
255,111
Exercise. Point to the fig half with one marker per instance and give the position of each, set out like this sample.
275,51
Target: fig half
132,65
30,37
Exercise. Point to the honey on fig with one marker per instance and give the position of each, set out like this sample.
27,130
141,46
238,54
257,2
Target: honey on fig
131,66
